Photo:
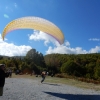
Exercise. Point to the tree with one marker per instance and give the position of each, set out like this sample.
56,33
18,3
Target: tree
35,57
71,68
90,69
97,70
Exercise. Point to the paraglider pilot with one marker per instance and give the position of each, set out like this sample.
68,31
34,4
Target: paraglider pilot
43,74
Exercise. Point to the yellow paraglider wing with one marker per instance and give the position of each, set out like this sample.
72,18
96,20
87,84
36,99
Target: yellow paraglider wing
37,24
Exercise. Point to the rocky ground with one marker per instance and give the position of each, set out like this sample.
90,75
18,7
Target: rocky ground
32,89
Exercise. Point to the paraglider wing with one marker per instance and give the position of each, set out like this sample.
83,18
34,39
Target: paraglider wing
37,24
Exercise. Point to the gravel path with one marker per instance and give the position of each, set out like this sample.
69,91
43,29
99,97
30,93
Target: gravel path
28,89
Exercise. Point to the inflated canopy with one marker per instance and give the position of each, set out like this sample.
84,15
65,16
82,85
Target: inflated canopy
35,23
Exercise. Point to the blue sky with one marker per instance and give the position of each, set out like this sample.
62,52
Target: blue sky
79,21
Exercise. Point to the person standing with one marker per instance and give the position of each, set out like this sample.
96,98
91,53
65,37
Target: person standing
10,73
3,75
43,74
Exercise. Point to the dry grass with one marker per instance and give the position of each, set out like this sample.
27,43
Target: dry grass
68,81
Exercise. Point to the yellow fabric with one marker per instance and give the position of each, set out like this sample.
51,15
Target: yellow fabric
37,24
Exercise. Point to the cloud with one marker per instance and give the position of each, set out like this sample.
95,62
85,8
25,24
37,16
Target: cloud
94,39
66,49
94,50
9,49
6,16
62,49
38,35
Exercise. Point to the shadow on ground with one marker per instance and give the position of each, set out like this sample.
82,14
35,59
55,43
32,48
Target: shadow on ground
74,96
51,84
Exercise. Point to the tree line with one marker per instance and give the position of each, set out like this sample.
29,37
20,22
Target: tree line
78,65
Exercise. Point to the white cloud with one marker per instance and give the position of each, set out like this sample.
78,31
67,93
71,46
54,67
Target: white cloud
38,35
6,16
94,39
67,43
62,49
94,50
9,49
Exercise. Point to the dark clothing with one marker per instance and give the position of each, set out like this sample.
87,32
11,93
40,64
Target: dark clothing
10,74
2,77
43,76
